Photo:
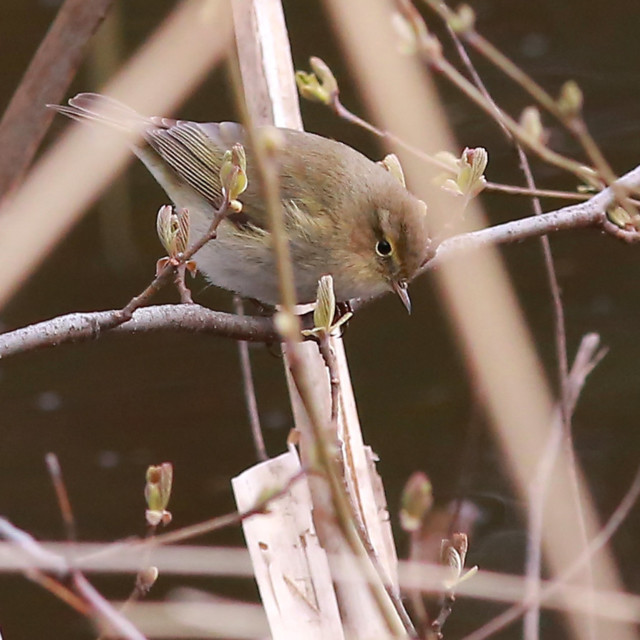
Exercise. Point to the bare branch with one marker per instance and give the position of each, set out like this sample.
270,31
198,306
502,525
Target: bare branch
26,120
80,327
249,389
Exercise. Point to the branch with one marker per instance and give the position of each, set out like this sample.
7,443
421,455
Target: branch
588,356
591,213
80,327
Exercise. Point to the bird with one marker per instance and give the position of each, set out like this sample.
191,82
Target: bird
344,214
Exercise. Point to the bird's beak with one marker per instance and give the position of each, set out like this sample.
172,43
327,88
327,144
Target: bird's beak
401,288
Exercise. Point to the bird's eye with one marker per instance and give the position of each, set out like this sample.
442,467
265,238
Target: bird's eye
383,248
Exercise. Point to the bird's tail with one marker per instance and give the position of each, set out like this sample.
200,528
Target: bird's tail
94,107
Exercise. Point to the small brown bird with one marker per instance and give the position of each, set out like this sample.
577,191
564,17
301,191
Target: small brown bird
344,214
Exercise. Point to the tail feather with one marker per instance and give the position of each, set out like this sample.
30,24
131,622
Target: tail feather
95,107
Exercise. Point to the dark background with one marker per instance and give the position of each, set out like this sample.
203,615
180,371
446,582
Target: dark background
112,407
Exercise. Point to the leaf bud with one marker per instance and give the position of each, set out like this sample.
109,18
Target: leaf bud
325,304
172,227
233,172
318,86
157,492
416,501
531,122
570,100
391,163
463,20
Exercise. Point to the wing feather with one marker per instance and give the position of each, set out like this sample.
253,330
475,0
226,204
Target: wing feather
192,155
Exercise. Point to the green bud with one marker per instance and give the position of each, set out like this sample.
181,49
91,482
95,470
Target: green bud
310,89
619,216
474,162
623,218
416,501
325,310
463,20
451,558
157,493
392,165
318,86
570,100
325,304
531,122
325,75
233,172
469,180
173,227
453,554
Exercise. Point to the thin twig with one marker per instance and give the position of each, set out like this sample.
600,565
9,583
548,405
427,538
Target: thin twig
60,591
86,600
586,359
547,593
534,542
329,357
53,465
516,190
433,58
571,119
104,611
180,284
349,116
249,389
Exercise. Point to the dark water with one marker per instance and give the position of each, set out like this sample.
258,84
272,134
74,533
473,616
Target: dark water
110,408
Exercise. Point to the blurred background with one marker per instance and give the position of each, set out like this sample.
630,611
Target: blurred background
112,407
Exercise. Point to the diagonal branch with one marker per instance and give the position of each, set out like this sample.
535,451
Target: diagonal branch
25,120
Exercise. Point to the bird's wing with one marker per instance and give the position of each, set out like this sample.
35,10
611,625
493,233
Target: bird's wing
193,152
